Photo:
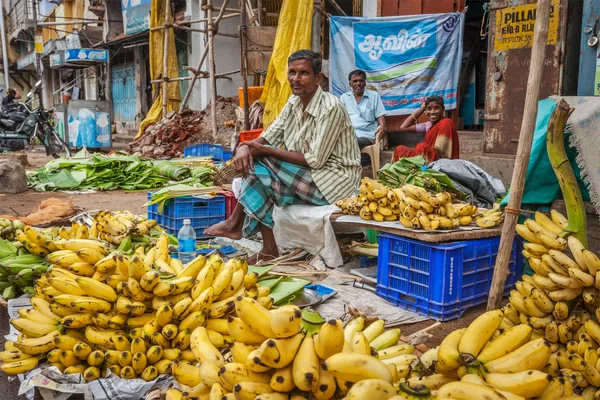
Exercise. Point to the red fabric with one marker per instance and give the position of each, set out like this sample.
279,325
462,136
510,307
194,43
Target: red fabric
443,129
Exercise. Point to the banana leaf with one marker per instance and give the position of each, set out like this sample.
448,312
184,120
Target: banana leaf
286,291
413,171
97,172
172,170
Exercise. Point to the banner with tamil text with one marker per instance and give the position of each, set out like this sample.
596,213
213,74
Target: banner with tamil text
406,58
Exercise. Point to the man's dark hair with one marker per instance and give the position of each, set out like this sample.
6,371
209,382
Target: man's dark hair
314,58
435,99
357,72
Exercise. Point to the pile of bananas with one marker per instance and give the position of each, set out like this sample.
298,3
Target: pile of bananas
544,343
416,208
272,358
98,309
112,227
8,228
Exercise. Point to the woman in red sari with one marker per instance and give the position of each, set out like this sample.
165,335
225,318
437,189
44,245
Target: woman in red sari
441,138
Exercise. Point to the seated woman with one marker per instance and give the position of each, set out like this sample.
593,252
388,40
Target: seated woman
441,138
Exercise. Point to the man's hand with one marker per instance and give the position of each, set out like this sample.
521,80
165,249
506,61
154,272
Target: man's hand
243,161
257,149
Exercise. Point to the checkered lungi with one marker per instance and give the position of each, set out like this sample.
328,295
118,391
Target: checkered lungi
275,183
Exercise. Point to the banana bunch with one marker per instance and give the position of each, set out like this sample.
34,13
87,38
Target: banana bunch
378,202
351,205
489,218
8,228
423,210
112,227
19,269
98,309
271,357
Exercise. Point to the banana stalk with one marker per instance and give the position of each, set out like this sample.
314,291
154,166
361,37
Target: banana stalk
555,143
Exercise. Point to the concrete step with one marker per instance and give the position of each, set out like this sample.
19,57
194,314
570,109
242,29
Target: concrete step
470,142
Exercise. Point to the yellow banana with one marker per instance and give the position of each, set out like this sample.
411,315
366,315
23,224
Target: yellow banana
202,347
255,316
448,353
19,367
31,328
468,391
532,355
97,289
507,342
371,389
305,370
282,380
95,358
277,353
354,367
330,339
528,384
76,321
479,332
91,304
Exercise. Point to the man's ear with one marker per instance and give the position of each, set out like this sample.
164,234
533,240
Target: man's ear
319,77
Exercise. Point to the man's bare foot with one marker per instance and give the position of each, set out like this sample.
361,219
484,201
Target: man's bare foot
261,256
226,229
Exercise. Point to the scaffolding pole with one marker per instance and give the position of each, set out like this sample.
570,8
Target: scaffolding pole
244,63
165,84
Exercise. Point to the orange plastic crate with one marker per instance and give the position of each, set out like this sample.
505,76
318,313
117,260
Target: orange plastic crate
246,136
254,93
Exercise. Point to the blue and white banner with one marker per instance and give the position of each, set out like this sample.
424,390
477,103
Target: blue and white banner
406,58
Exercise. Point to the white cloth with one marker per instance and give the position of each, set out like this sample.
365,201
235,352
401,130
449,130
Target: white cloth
309,228
305,227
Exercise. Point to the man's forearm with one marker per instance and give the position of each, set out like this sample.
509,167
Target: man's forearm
292,157
381,121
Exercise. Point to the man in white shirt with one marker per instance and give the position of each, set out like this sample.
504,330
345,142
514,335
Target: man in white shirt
366,111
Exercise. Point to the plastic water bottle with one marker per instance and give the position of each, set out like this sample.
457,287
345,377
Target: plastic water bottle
187,242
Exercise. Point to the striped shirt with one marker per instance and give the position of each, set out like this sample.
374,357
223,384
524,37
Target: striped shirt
324,134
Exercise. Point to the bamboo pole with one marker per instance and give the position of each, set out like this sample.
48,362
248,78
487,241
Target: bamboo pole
212,67
244,64
260,11
165,76
204,54
337,7
538,52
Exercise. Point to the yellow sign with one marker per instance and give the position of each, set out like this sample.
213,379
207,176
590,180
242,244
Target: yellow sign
514,26
39,44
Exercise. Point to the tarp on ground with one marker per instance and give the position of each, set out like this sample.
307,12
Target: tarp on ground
541,184
294,32
157,19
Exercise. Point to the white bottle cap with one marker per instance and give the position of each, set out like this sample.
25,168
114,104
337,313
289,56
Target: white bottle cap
187,221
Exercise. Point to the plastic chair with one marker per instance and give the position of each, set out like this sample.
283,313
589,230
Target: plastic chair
374,151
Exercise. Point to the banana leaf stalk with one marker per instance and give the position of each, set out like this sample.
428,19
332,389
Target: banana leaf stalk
569,186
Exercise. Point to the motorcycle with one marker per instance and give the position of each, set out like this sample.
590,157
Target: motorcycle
20,125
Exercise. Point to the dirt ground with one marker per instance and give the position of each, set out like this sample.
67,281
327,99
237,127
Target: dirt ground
26,202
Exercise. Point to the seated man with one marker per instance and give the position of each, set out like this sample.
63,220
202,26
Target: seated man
319,163
366,111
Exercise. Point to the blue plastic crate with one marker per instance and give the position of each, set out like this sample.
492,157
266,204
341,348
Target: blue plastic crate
227,155
214,151
202,213
440,280
190,207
